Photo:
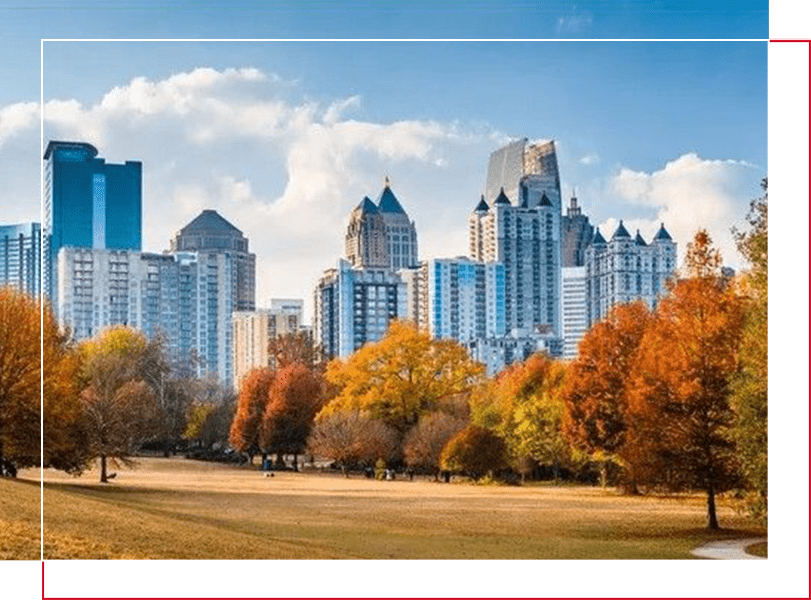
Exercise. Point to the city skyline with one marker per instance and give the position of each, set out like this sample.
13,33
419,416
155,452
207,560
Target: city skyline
288,156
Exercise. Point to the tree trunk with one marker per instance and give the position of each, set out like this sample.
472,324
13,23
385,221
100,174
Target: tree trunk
603,474
712,518
103,469
345,471
295,463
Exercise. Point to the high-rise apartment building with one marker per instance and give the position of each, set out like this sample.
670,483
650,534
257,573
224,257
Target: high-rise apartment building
381,235
627,269
525,238
21,257
88,203
185,297
355,306
574,314
462,299
210,233
254,330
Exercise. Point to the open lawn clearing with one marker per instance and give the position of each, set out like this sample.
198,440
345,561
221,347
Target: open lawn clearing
176,508
19,519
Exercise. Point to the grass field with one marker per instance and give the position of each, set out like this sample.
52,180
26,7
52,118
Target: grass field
19,520
181,509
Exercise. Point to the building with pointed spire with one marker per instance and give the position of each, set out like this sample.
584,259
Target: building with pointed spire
626,269
525,238
366,242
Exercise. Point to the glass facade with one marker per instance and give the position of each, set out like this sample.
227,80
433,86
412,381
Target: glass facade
20,257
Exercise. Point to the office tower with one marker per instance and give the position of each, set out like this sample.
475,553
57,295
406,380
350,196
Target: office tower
401,233
211,233
185,297
462,299
576,233
254,330
355,306
88,203
574,317
521,168
626,269
526,240
20,257
366,240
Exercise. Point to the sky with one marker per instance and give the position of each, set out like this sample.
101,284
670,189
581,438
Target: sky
285,138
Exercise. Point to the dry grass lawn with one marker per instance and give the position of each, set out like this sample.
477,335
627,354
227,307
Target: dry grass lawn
19,519
181,509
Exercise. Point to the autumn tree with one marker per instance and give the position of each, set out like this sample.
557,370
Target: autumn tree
19,380
531,397
210,412
401,377
294,398
251,405
350,437
119,408
475,451
425,441
295,348
751,383
679,401
64,436
596,391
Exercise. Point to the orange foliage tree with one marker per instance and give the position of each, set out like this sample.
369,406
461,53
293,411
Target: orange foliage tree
475,451
403,376
680,392
251,405
294,398
424,442
19,380
596,392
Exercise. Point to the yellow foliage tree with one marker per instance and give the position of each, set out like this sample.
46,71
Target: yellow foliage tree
401,377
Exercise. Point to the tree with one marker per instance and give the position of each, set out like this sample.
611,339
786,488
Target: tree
596,392
65,442
750,385
424,442
295,348
119,408
475,451
679,396
350,437
210,413
294,398
401,377
251,405
19,380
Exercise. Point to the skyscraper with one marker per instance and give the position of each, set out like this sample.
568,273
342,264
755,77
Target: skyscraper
626,269
526,240
522,167
380,235
88,203
576,234
21,257
211,233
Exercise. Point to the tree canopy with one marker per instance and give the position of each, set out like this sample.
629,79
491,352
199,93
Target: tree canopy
401,377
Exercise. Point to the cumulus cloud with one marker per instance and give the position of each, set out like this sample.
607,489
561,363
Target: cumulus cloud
285,170
687,193
18,117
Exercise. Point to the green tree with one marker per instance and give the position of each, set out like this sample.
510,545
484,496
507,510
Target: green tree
680,393
401,377
750,384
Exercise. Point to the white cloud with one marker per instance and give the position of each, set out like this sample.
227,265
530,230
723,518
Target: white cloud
575,21
688,193
590,159
16,118
285,171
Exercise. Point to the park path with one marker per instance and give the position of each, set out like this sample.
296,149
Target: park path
728,549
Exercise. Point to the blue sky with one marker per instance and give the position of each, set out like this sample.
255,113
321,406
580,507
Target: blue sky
646,131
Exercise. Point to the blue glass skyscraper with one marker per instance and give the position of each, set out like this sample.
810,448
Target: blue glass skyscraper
20,255
88,203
